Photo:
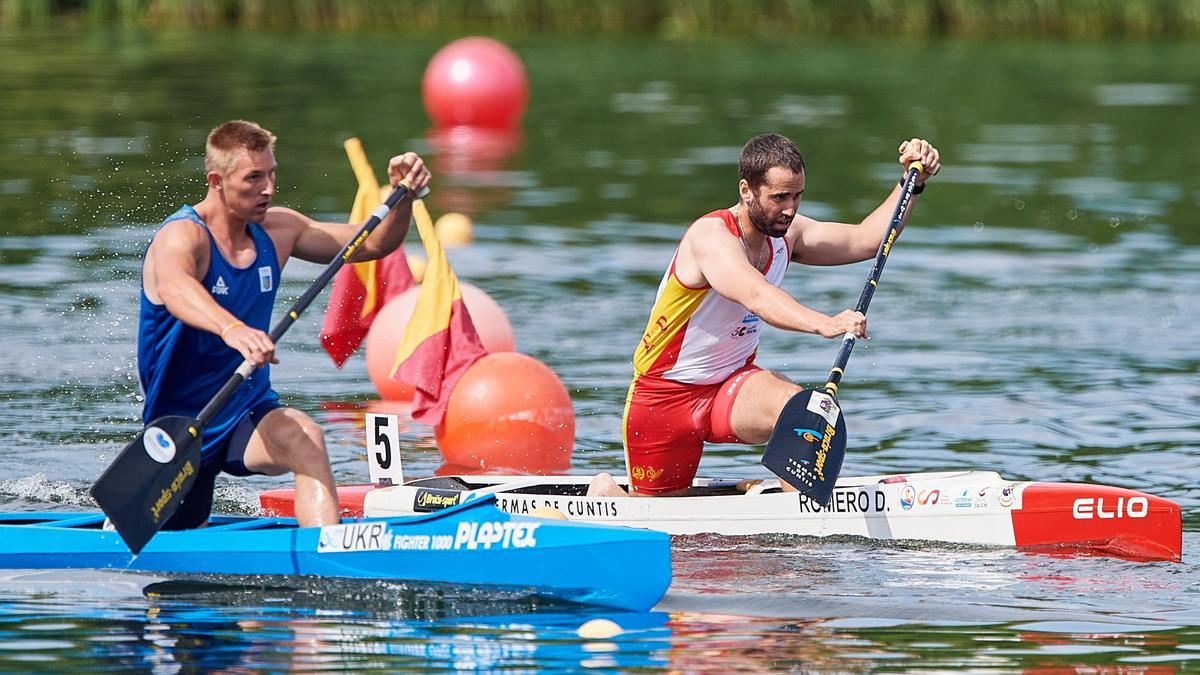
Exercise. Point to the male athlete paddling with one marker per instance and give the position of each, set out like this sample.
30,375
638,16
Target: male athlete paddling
209,281
695,380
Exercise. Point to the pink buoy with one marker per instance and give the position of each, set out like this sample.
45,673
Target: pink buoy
383,339
475,81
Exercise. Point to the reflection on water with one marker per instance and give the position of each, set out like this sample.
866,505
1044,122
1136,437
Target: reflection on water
1037,319
942,619
139,622
475,162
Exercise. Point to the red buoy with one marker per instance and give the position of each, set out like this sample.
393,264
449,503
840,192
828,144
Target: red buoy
475,81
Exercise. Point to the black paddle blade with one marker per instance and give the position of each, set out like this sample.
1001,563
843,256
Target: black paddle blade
144,485
808,444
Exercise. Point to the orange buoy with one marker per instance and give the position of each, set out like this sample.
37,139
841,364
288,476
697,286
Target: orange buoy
475,81
495,332
508,411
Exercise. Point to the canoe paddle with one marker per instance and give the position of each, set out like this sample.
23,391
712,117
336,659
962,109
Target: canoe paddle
808,443
165,456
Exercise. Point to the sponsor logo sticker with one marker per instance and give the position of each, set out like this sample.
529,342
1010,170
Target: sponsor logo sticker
907,496
809,435
646,473
159,445
964,500
432,499
823,404
575,507
823,452
376,535
1087,508
1006,495
496,534
745,329
168,493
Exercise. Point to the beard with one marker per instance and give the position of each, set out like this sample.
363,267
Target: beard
758,218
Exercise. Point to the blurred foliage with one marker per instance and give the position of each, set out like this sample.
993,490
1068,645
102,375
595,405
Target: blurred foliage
105,126
681,19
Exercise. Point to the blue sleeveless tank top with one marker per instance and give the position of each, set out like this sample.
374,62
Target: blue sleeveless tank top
181,368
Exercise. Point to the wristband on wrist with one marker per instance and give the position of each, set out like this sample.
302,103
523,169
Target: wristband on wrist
230,327
917,189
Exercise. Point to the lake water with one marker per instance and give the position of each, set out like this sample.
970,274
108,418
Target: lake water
1038,318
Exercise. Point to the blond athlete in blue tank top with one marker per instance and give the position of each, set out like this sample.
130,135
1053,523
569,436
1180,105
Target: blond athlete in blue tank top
226,229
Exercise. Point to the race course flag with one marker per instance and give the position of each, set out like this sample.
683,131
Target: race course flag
440,341
360,290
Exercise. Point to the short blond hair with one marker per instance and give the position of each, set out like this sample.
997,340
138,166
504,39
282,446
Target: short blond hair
223,143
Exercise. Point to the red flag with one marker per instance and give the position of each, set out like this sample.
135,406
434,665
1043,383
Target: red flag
360,290
440,341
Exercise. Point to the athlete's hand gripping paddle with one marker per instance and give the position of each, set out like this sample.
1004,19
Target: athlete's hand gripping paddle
808,443
149,478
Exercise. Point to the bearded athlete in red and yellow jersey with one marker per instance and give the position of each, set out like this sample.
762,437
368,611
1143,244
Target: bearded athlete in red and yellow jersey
694,373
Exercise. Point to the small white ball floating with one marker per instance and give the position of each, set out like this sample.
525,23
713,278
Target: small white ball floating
599,629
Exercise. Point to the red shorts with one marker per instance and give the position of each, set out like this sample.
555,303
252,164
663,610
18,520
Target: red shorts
667,423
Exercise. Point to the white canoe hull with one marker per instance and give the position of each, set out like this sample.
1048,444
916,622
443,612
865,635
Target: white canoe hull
965,507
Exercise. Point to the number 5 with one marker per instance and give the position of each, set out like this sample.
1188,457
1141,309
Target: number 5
383,445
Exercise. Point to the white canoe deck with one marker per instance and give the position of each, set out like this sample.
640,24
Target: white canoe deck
972,507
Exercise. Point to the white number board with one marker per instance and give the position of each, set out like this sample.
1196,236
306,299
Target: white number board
383,449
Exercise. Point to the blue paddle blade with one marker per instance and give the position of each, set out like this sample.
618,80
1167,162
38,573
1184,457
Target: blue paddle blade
808,444
145,484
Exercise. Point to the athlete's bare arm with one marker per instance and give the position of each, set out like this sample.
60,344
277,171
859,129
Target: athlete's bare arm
709,254
318,242
176,261
817,242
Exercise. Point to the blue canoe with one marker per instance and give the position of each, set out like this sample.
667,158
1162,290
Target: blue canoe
472,544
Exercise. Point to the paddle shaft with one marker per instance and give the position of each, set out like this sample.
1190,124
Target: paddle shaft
864,300
239,376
